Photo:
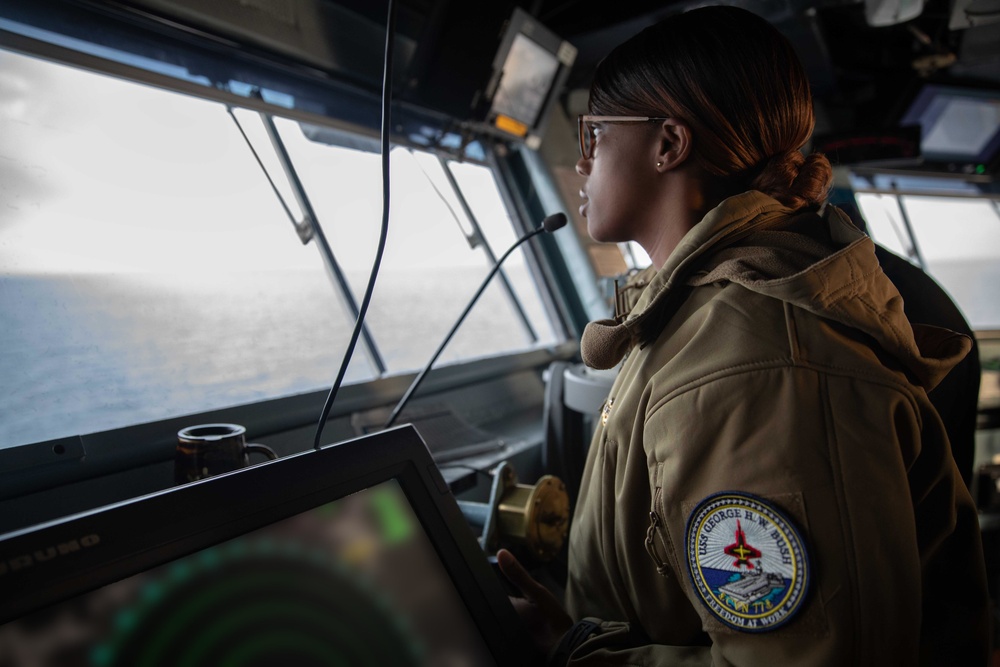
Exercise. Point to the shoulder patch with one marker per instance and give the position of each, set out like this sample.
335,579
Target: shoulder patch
747,561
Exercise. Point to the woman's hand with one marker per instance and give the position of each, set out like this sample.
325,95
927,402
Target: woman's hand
541,613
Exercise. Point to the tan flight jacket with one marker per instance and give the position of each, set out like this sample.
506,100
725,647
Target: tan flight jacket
770,355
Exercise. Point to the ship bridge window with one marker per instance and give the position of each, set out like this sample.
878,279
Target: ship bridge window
953,234
148,270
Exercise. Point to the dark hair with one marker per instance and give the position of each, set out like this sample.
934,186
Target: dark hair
737,82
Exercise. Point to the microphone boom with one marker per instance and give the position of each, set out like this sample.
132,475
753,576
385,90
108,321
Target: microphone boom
549,224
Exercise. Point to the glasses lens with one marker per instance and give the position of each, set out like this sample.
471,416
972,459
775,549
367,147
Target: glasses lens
586,138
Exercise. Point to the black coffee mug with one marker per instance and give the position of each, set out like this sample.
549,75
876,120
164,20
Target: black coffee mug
209,449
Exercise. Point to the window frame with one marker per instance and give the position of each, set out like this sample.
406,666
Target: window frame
30,469
901,188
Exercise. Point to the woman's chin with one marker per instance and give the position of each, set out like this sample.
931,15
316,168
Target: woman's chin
599,233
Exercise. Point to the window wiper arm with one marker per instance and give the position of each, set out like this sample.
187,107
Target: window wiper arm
475,238
309,229
304,227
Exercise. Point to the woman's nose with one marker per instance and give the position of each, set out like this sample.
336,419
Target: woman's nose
583,167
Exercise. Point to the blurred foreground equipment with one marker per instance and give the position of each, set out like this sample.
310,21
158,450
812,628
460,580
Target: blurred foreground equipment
531,520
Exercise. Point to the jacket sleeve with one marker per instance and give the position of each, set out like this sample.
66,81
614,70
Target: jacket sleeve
616,643
833,455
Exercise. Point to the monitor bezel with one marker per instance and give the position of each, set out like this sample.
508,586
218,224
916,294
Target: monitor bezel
918,108
524,25
130,537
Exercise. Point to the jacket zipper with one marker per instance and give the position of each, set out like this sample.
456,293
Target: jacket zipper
654,523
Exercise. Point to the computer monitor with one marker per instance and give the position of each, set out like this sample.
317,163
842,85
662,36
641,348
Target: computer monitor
529,69
961,126
355,554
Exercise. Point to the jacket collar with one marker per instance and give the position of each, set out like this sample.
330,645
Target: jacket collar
824,265
605,342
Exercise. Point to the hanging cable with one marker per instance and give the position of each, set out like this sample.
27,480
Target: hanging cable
386,103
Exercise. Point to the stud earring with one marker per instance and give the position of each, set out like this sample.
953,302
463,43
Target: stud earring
659,163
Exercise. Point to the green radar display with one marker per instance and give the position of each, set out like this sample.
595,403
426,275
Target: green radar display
258,603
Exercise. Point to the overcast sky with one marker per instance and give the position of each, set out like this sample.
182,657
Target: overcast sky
98,174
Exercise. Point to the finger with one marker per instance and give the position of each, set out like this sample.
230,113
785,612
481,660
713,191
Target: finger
515,572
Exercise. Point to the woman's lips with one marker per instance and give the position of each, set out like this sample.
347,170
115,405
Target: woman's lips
583,206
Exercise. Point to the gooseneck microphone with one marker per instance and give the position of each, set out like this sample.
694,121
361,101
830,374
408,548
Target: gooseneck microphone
550,224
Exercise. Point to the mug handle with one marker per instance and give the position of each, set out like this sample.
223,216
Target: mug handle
255,448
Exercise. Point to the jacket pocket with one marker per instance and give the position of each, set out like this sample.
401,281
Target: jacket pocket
657,539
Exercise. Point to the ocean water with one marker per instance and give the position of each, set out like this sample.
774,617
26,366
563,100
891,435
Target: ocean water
85,353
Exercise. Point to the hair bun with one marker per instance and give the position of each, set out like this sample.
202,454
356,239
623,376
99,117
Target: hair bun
795,180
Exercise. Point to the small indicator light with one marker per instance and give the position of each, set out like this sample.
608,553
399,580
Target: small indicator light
508,124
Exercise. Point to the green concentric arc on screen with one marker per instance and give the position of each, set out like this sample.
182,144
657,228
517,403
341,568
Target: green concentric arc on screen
290,644
246,621
340,640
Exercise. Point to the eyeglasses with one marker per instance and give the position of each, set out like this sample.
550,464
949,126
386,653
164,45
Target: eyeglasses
587,138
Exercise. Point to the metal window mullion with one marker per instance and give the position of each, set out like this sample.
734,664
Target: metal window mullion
555,293
81,60
941,194
478,232
909,230
324,247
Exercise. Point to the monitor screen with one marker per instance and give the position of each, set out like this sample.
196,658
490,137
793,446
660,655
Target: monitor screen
959,124
528,74
355,554
529,70
351,582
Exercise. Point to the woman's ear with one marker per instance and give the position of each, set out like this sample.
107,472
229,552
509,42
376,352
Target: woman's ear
675,144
